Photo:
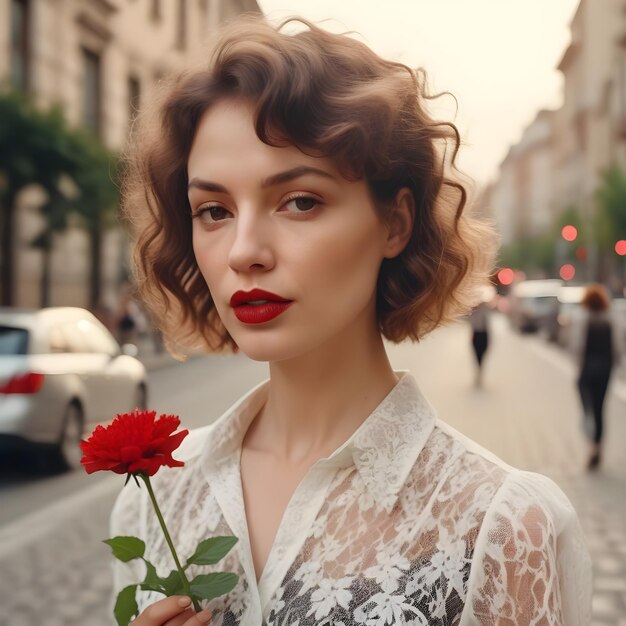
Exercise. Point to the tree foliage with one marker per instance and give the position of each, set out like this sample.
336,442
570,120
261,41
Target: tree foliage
541,255
610,221
534,255
37,147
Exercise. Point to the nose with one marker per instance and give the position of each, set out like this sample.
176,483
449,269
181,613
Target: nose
251,249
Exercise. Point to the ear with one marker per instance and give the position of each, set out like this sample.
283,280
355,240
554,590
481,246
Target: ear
400,223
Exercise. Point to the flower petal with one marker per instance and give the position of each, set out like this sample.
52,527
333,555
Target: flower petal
132,443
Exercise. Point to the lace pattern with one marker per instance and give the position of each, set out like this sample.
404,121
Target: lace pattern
407,523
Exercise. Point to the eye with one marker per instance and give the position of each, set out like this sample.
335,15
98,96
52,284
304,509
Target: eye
301,204
211,213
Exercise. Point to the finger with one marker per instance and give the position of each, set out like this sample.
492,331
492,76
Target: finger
161,612
199,619
180,619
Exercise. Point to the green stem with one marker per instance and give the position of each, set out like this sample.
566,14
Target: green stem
168,539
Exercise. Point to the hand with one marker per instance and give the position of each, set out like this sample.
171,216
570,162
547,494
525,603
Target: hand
174,611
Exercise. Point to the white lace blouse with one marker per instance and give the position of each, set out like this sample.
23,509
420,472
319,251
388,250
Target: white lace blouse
408,522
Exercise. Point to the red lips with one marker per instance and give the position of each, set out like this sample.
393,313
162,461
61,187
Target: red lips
258,306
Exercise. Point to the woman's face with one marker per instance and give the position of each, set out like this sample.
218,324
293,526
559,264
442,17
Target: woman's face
277,220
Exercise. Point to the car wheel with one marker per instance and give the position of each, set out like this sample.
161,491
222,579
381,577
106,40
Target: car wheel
68,450
141,397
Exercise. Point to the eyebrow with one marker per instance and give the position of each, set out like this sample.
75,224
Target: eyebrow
275,179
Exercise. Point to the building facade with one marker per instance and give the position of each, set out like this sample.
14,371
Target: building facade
560,159
522,198
99,60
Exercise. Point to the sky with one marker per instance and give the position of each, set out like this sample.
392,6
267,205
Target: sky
498,58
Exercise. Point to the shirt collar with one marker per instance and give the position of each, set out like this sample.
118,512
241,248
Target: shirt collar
383,449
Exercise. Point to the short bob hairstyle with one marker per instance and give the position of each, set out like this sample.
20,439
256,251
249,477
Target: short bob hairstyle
596,298
330,96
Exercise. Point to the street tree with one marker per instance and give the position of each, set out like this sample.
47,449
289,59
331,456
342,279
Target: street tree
35,149
611,213
38,148
610,218
97,179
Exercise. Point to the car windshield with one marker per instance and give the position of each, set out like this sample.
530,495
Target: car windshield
13,340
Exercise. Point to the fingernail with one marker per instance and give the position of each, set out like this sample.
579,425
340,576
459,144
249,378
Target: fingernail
184,601
205,616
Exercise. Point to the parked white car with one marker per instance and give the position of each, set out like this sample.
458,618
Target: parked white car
534,306
61,371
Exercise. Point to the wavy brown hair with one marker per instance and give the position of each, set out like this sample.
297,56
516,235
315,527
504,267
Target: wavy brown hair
330,96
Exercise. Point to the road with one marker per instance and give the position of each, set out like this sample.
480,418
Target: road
527,413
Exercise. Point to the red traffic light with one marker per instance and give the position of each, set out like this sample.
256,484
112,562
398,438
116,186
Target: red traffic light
567,271
569,232
506,276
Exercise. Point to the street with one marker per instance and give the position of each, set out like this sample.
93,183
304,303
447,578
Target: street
55,571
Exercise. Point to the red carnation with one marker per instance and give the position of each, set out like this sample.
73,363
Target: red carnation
133,443
137,444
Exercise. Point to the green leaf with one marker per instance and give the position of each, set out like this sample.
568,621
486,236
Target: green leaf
152,581
172,584
126,605
126,548
210,551
209,586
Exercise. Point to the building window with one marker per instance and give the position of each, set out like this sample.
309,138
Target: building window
181,34
155,12
91,91
134,97
19,43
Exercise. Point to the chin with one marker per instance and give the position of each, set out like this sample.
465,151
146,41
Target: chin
271,346
260,351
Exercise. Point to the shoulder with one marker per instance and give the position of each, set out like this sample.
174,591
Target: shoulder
530,539
525,536
495,487
466,468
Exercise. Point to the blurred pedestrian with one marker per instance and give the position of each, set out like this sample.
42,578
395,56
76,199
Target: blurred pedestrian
291,202
595,343
479,321
126,320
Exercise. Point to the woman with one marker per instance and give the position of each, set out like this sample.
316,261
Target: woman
291,201
479,322
597,352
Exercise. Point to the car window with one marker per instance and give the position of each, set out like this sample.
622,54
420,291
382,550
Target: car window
97,339
13,340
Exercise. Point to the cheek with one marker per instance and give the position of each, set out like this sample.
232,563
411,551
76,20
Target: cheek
348,263
207,257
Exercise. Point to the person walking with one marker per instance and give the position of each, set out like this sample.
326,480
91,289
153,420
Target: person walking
597,354
479,321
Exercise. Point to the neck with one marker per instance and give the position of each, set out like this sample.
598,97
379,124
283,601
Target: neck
318,400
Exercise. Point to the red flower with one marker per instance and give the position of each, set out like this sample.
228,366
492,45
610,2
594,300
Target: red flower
133,443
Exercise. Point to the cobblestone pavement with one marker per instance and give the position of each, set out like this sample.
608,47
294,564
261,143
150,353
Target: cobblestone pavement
55,571
63,576
601,504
